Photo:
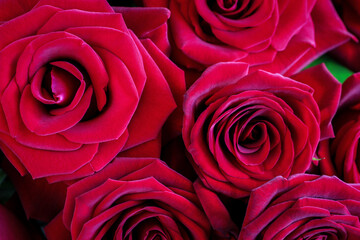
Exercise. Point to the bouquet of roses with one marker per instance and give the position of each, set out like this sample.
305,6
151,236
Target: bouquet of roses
179,119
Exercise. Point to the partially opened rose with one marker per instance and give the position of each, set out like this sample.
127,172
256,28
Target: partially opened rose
344,148
303,207
243,130
77,87
131,199
348,53
277,36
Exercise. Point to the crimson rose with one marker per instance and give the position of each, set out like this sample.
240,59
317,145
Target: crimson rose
77,86
243,130
131,199
303,207
344,149
277,36
348,53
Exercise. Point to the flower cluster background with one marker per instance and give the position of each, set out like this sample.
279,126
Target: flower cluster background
179,119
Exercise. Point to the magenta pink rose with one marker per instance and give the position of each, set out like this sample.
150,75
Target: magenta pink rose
78,86
303,207
277,36
131,199
243,130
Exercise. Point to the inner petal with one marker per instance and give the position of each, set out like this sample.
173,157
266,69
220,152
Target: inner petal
52,85
230,8
227,4
63,86
253,135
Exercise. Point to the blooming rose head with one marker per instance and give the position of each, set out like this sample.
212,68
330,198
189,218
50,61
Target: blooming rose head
303,207
131,199
77,87
344,149
348,53
243,130
277,36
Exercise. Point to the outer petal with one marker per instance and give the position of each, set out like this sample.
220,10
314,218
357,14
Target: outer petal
93,6
327,92
154,27
159,105
216,212
43,167
10,9
176,80
329,33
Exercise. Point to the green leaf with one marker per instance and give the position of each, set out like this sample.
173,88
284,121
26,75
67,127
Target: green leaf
6,187
340,72
2,176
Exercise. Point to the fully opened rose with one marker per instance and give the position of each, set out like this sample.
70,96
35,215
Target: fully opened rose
77,87
243,130
277,36
303,207
137,198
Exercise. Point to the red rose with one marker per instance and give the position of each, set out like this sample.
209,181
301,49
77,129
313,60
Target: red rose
243,130
78,87
344,149
277,36
348,53
131,199
303,207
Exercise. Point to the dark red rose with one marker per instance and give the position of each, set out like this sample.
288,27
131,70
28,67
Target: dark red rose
39,199
303,207
342,153
273,35
243,130
348,53
11,227
131,199
78,87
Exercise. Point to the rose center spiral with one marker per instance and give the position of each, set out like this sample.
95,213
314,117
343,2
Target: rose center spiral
229,3
60,86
